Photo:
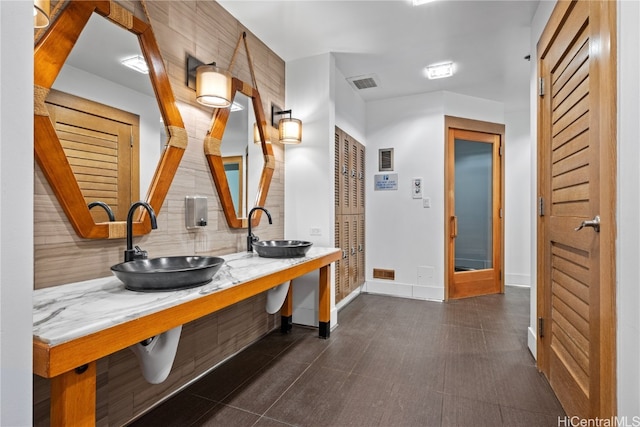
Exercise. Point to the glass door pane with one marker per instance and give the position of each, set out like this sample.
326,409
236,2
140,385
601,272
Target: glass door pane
473,205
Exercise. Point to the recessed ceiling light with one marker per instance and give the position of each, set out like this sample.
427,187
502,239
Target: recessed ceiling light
439,71
136,63
236,107
420,2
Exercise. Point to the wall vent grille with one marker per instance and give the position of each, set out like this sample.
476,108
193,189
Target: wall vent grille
363,82
385,159
380,273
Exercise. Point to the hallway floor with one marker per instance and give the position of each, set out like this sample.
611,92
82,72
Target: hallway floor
391,362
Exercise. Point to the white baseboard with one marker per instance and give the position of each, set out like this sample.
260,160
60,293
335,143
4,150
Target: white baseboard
532,342
518,279
346,300
404,290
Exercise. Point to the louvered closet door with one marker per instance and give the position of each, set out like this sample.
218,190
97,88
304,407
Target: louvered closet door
577,182
339,173
361,253
102,151
360,177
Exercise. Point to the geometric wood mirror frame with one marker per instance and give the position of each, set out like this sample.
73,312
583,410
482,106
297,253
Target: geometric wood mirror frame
213,152
50,55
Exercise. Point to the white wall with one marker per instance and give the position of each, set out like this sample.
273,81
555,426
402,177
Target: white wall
16,211
401,234
537,26
320,96
518,202
350,108
628,247
309,171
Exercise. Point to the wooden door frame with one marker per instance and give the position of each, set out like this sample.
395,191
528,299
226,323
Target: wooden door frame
603,402
451,122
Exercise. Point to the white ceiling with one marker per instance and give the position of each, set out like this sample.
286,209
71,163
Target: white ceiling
487,40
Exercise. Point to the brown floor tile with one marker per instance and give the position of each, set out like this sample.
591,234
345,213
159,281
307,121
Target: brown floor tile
179,411
227,416
523,387
470,376
412,405
462,412
263,389
390,362
518,418
230,375
313,399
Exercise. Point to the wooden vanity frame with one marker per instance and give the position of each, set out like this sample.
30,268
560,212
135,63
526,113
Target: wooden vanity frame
71,365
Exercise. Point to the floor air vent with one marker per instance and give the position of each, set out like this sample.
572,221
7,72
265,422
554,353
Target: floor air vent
379,273
363,82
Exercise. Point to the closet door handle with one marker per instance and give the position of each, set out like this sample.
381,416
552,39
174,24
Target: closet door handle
453,227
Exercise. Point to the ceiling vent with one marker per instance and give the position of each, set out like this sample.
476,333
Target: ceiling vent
363,82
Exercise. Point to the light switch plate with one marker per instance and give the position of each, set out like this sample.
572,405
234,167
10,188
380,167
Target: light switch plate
416,188
426,202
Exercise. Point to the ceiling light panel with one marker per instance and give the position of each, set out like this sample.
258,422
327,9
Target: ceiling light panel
136,63
439,71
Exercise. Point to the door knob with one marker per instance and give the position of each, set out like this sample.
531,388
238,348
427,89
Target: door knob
594,223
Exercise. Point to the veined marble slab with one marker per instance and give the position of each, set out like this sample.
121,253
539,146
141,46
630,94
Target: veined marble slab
67,312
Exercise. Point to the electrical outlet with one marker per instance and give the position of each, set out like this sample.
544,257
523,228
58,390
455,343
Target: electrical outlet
316,231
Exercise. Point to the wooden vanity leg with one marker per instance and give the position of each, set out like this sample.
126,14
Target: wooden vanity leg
286,312
73,397
324,305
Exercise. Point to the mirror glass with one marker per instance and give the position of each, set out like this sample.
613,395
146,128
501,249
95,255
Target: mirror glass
242,158
104,134
241,169
87,131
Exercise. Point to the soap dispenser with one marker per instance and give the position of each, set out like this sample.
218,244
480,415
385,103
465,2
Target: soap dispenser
196,213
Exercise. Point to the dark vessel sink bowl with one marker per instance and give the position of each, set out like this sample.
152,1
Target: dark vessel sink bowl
167,273
282,248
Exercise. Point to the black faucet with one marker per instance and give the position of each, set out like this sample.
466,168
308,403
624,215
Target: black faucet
104,206
250,237
130,253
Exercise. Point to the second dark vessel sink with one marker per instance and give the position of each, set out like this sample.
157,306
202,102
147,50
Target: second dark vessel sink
167,273
282,248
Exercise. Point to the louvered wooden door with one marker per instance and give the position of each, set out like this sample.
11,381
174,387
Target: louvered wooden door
101,145
349,210
576,277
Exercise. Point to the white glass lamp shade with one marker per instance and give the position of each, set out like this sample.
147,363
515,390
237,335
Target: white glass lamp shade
213,86
41,10
290,131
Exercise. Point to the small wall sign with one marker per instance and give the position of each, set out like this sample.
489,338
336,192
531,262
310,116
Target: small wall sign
385,182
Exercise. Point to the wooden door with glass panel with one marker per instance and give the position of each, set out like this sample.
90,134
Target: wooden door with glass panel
474,201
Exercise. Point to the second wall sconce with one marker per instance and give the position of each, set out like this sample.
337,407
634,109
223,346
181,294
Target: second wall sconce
289,129
211,83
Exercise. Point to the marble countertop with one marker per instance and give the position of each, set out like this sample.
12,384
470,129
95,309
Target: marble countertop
67,312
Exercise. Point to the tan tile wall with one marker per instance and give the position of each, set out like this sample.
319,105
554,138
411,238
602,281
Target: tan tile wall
205,30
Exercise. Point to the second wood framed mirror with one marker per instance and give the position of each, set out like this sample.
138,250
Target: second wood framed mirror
230,142
57,142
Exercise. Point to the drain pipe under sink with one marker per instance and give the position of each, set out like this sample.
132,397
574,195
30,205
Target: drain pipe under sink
276,297
156,354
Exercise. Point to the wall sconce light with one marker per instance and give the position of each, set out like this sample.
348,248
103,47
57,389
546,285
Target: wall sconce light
41,10
211,83
289,129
